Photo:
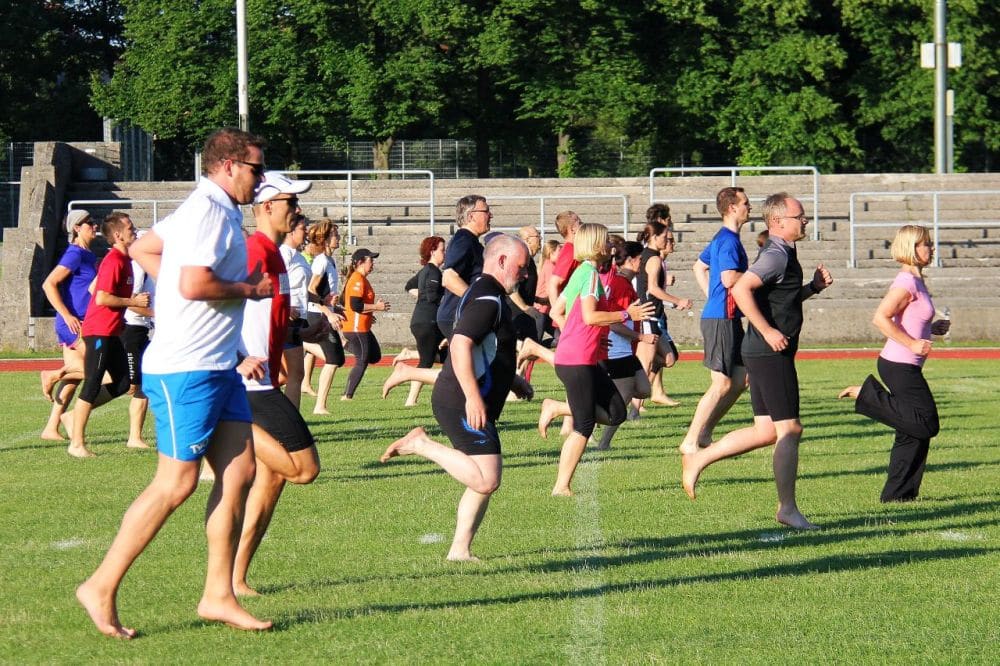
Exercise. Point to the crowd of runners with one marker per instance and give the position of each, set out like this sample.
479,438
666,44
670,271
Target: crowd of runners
217,332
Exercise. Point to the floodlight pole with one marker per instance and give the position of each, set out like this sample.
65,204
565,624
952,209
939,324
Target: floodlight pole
940,88
241,64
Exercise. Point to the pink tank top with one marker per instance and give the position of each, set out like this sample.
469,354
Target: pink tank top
915,319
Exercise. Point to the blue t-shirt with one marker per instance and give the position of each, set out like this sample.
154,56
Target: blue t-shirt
82,267
724,253
464,255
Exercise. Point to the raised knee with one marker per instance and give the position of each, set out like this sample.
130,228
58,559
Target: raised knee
306,476
488,486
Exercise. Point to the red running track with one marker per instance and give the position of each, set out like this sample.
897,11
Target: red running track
960,353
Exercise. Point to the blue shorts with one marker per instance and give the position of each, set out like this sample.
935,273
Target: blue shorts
188,406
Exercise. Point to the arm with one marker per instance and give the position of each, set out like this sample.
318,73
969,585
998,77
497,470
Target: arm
453,282
140,300
729,278
893,303
147,252
200,283
700,270
821,280
557,313
516,299
51,288
743,295
653,269
593,317
461,363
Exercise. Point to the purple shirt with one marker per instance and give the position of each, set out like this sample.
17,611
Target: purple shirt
915,319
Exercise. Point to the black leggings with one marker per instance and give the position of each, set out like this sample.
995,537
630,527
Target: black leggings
365,348
103,354
908,407
428,337
592,397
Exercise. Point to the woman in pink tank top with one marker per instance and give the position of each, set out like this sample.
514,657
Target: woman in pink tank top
905,403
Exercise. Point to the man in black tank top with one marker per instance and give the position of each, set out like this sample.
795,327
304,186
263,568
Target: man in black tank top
770,294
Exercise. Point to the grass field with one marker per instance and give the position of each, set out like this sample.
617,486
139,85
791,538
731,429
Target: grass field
629,571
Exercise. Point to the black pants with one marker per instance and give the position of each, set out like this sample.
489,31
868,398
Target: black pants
365,348
104,354
592,397
428,337
909,408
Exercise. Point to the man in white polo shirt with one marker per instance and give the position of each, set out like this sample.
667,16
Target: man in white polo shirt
191,370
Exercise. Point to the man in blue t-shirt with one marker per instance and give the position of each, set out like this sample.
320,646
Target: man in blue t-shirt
463,257
718,268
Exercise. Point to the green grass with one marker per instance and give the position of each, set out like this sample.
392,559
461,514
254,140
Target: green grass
629,571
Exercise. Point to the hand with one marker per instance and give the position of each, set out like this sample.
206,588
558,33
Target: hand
684,304
260,284
381,305
73,324
649,338
252,367
941,327
920,347
475,412
639,311
775,339
141,300
821,278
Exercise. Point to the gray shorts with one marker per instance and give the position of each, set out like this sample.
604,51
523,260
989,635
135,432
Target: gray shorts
723,338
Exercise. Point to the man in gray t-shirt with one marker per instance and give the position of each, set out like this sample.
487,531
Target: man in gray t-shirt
770,294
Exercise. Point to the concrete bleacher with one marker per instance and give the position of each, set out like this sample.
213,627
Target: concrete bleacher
843,314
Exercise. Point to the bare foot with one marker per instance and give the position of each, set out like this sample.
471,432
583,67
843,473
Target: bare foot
405,354
52,435
102,612
545,418
243,590
526,353
395,379
795,520
562,492
405,445
321,411
49,380
687,448
345,398
207,473
231,613
690,471
463,557
136,444
664,400
79,451
410,404
850,392
307,390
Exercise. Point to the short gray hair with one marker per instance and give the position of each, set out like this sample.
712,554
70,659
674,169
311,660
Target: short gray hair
775,206
465,204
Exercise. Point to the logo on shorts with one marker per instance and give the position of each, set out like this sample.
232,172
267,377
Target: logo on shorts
198,449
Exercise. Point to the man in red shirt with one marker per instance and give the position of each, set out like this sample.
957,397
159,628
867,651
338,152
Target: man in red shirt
102,326
567,224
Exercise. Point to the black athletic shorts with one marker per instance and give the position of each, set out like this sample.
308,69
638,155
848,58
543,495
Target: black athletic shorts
621,368
135,339
723,339
462,437
279,418
774,386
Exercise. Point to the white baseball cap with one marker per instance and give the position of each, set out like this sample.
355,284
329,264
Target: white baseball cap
275,183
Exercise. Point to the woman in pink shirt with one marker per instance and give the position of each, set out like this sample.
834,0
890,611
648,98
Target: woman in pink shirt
904,317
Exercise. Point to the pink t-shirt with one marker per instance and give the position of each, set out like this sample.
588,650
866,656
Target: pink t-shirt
915,319
580,343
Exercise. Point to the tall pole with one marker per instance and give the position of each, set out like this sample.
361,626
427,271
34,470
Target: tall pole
940,88
241,64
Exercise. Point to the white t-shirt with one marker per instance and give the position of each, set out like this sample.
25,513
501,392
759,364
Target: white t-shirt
298,278
325,265
140,283
206,230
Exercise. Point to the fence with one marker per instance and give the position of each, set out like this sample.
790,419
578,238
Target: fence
15,155
542,198
936,223
732,171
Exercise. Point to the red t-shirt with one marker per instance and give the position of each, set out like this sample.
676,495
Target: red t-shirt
263,256
114,277
564,267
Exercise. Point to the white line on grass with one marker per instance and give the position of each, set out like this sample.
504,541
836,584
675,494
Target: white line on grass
432,537
67,544
586,645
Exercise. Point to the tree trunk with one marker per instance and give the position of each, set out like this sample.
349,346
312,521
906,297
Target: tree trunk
564,156
380,157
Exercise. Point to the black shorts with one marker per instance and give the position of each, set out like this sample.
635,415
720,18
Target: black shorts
774,386
135,339
723,339
621,368
592,396
470,442
278,417
103,353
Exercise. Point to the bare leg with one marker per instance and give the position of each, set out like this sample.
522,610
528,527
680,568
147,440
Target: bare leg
173,483
300,467
231,456
721,395
738,442
405,354
786,468
136,418
325,382
77,444
308,363
261,501
293,363
850,392
64,395
569,458
531,350
658,395
551,409
407,373
411,399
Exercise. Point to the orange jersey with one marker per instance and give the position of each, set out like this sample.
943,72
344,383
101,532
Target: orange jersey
357,287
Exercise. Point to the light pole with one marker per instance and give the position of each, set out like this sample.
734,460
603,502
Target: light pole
940,86
241,65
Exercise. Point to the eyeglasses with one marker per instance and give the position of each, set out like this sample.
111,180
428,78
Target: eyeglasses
481,210
801,218
293,202
255,168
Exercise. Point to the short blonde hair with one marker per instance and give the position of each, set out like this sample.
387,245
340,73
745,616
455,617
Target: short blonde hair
904,245
591,242
549,249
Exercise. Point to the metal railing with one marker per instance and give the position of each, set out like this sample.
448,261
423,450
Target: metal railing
542,198
936,223
122,203
732,171
351,204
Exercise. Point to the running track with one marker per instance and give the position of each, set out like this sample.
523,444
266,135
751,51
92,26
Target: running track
961,353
